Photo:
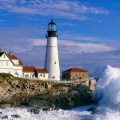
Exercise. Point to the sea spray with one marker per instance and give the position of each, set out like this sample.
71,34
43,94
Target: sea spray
107,89
107,95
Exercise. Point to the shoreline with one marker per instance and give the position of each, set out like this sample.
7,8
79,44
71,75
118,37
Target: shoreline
22,92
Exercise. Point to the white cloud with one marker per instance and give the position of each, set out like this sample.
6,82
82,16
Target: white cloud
67,43
77,47
78,37
61,8
115,43
73,47
37,42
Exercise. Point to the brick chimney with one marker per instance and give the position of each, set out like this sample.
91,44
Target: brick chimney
0,50
10,52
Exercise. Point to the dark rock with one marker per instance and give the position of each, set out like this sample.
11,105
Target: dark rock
34,110
17,86
24,104
4,117
46,85
15,116
46,110
90,109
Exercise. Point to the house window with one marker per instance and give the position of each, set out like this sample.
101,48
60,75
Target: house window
43,75
16,73
6,63
16,62
4,56
83,75
75,75
1,63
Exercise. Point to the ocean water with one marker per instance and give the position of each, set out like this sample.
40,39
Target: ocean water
106,97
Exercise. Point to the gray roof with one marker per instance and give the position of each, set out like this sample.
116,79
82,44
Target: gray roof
52,22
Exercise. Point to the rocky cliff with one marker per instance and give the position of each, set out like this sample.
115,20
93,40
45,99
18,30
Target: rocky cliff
36,93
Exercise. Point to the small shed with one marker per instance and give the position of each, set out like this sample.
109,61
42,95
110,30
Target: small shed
28,71
74,74
41,73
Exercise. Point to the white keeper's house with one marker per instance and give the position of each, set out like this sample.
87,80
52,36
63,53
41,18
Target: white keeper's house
9,63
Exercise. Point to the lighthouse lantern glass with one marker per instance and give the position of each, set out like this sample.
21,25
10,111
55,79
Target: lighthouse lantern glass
52,27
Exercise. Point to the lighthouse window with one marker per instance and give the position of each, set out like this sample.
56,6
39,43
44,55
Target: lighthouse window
55,62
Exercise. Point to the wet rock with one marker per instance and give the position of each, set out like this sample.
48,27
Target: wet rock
4,117
15,116
46,110
24,104
34,110
93,110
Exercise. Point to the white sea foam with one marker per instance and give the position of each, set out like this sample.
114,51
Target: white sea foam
107,94
108,88
75,114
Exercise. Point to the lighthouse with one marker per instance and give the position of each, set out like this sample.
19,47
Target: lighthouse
51,57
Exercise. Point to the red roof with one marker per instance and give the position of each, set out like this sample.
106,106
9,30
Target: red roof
20,62
13,57
28,68
41,70
75,70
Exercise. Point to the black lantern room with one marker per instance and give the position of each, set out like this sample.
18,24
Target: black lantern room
51,30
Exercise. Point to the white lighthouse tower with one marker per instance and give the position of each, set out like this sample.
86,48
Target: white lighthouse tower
52,58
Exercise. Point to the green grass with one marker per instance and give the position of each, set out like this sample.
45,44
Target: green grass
32,80
6,75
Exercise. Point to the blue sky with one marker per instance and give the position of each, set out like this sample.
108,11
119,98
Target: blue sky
88,30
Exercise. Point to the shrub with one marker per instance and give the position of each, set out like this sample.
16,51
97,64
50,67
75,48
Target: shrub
5,75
